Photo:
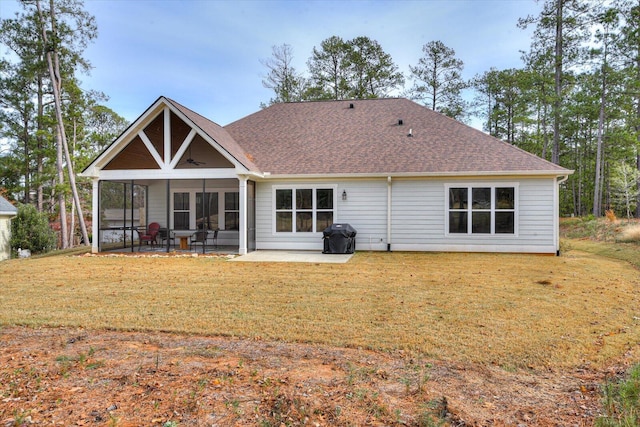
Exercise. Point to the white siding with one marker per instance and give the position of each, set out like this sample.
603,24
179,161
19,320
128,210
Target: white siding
365,209
157,203
417,216
5,236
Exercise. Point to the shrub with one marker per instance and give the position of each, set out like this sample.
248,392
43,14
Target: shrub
621,401
630,234
611,215
30,230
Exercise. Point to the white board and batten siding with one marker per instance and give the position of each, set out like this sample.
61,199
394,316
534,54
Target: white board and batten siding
418,216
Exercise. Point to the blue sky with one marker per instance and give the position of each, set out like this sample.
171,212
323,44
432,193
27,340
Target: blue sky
206,54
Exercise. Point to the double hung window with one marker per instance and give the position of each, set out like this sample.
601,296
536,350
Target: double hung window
489,209
181,211
232,211
210,210
303,210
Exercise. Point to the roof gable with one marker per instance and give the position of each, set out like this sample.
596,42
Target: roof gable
169,136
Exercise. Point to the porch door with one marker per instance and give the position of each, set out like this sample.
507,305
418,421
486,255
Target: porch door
251,216
207,211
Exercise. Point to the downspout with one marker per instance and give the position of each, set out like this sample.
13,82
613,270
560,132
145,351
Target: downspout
556,218
389,214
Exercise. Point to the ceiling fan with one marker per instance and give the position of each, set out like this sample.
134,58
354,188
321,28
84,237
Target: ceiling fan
191,161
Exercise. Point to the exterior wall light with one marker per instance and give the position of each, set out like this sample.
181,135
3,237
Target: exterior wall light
344,195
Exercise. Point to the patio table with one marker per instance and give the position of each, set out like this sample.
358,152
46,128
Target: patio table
183,235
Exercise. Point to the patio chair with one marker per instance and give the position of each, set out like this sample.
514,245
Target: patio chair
214,238
200,237
165,235
150,237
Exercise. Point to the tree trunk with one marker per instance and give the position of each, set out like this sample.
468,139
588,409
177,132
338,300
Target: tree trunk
597,185
56,80
557,102
40,145
62,203
638,139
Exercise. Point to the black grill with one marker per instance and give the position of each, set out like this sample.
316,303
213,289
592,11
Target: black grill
339,239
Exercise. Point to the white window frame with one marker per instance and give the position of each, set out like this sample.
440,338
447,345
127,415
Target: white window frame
224,207
293,209
493,210
192,204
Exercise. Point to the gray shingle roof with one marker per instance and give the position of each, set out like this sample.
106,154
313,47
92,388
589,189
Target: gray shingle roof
7,208
365,137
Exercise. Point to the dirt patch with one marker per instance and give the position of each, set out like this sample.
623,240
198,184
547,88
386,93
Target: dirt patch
65,376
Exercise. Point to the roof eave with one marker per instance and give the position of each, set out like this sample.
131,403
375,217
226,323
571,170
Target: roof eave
464,174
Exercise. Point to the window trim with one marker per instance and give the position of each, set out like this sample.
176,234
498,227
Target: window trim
293,210
469,209
192,204
226,211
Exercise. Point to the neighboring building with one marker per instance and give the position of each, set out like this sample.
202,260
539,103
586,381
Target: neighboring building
405,177
7,212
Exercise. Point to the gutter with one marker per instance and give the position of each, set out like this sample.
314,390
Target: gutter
465,174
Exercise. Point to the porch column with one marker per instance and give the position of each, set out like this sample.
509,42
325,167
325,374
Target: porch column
242,232
95,212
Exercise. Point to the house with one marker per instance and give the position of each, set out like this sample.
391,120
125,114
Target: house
405,177
7,212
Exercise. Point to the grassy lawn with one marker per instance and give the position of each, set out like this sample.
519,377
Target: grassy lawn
514,311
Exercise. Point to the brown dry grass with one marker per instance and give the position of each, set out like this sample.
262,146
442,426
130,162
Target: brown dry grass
513,311
630,234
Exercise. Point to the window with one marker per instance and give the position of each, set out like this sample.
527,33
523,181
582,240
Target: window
232,211
481,210
303,210
181,211
211,210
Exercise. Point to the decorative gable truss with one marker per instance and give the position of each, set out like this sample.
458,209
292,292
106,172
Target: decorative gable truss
164,144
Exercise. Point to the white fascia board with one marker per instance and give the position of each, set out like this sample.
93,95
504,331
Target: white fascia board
467,175
117,145
201,173
209,139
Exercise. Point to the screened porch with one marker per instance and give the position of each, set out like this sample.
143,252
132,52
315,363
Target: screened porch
180,215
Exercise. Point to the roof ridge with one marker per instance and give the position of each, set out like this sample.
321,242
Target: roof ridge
179,105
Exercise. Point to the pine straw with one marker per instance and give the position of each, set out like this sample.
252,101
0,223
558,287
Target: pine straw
513,311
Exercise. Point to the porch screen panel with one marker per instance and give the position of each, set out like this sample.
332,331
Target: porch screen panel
207,211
